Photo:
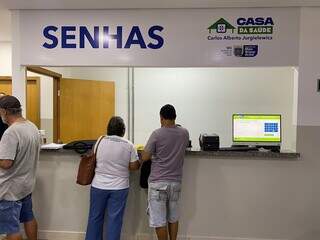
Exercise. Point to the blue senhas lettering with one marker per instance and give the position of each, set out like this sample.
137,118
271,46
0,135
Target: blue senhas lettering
66,34
85,34
258,21
135,37
108,37
156,37
102,37
49,36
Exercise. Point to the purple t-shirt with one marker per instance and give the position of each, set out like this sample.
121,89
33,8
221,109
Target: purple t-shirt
167,146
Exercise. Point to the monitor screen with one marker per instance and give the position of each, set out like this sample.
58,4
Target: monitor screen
265,128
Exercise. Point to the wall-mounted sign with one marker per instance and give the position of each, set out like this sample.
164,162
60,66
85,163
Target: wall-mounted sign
100,37
243,29
191,38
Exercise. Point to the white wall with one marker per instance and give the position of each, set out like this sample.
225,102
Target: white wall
46,105
206,98
5,25
65,71
46,82
308,112
295,95
262,199
309,65
5,59
46,88
228,198
46,97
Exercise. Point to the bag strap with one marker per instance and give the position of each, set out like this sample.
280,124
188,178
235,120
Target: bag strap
97,144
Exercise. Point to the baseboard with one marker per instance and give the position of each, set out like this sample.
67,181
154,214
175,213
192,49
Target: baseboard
192,237
59,235
228,238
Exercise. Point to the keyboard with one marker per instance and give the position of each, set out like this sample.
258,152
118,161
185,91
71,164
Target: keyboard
238,149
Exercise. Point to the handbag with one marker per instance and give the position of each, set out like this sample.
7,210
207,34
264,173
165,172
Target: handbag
87,166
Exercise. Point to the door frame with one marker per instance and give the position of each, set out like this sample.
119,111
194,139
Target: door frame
31,78
56,94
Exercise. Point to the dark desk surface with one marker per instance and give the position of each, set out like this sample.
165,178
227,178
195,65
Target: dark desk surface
289,155
284,155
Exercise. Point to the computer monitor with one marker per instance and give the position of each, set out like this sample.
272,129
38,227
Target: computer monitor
256,129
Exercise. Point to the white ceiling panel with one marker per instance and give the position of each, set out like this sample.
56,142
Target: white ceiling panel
126,4
5,19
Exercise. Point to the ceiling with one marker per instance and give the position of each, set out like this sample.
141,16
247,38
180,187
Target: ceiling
129,4
5,17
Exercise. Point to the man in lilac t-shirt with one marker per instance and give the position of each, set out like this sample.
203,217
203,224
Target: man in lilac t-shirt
166,146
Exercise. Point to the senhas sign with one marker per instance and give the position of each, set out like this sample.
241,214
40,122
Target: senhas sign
118,37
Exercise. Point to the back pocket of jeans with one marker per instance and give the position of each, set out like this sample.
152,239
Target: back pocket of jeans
10,211
176,192
6,205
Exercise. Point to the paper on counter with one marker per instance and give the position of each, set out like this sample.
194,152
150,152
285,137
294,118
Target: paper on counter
52,146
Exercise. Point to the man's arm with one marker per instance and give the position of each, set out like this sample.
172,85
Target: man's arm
6,164
145,156
8,149
150,148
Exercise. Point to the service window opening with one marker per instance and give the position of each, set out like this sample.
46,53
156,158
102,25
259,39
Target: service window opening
205,99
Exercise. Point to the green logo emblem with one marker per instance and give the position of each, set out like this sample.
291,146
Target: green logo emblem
221,26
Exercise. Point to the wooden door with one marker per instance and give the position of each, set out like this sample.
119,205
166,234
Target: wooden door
33,101
33,96
86,106
6,86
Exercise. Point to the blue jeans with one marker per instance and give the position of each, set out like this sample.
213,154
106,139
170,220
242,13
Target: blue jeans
12,213
111,202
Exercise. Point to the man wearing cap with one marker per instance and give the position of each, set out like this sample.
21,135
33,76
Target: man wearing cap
19,154
3,126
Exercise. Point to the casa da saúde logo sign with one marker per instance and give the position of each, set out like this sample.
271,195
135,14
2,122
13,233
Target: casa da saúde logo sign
249,26
243,29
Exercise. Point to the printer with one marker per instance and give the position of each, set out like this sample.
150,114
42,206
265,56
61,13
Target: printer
209,142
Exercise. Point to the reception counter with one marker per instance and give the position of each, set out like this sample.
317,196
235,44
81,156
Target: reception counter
265,155
223,193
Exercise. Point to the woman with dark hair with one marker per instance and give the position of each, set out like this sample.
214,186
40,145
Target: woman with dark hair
116,156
